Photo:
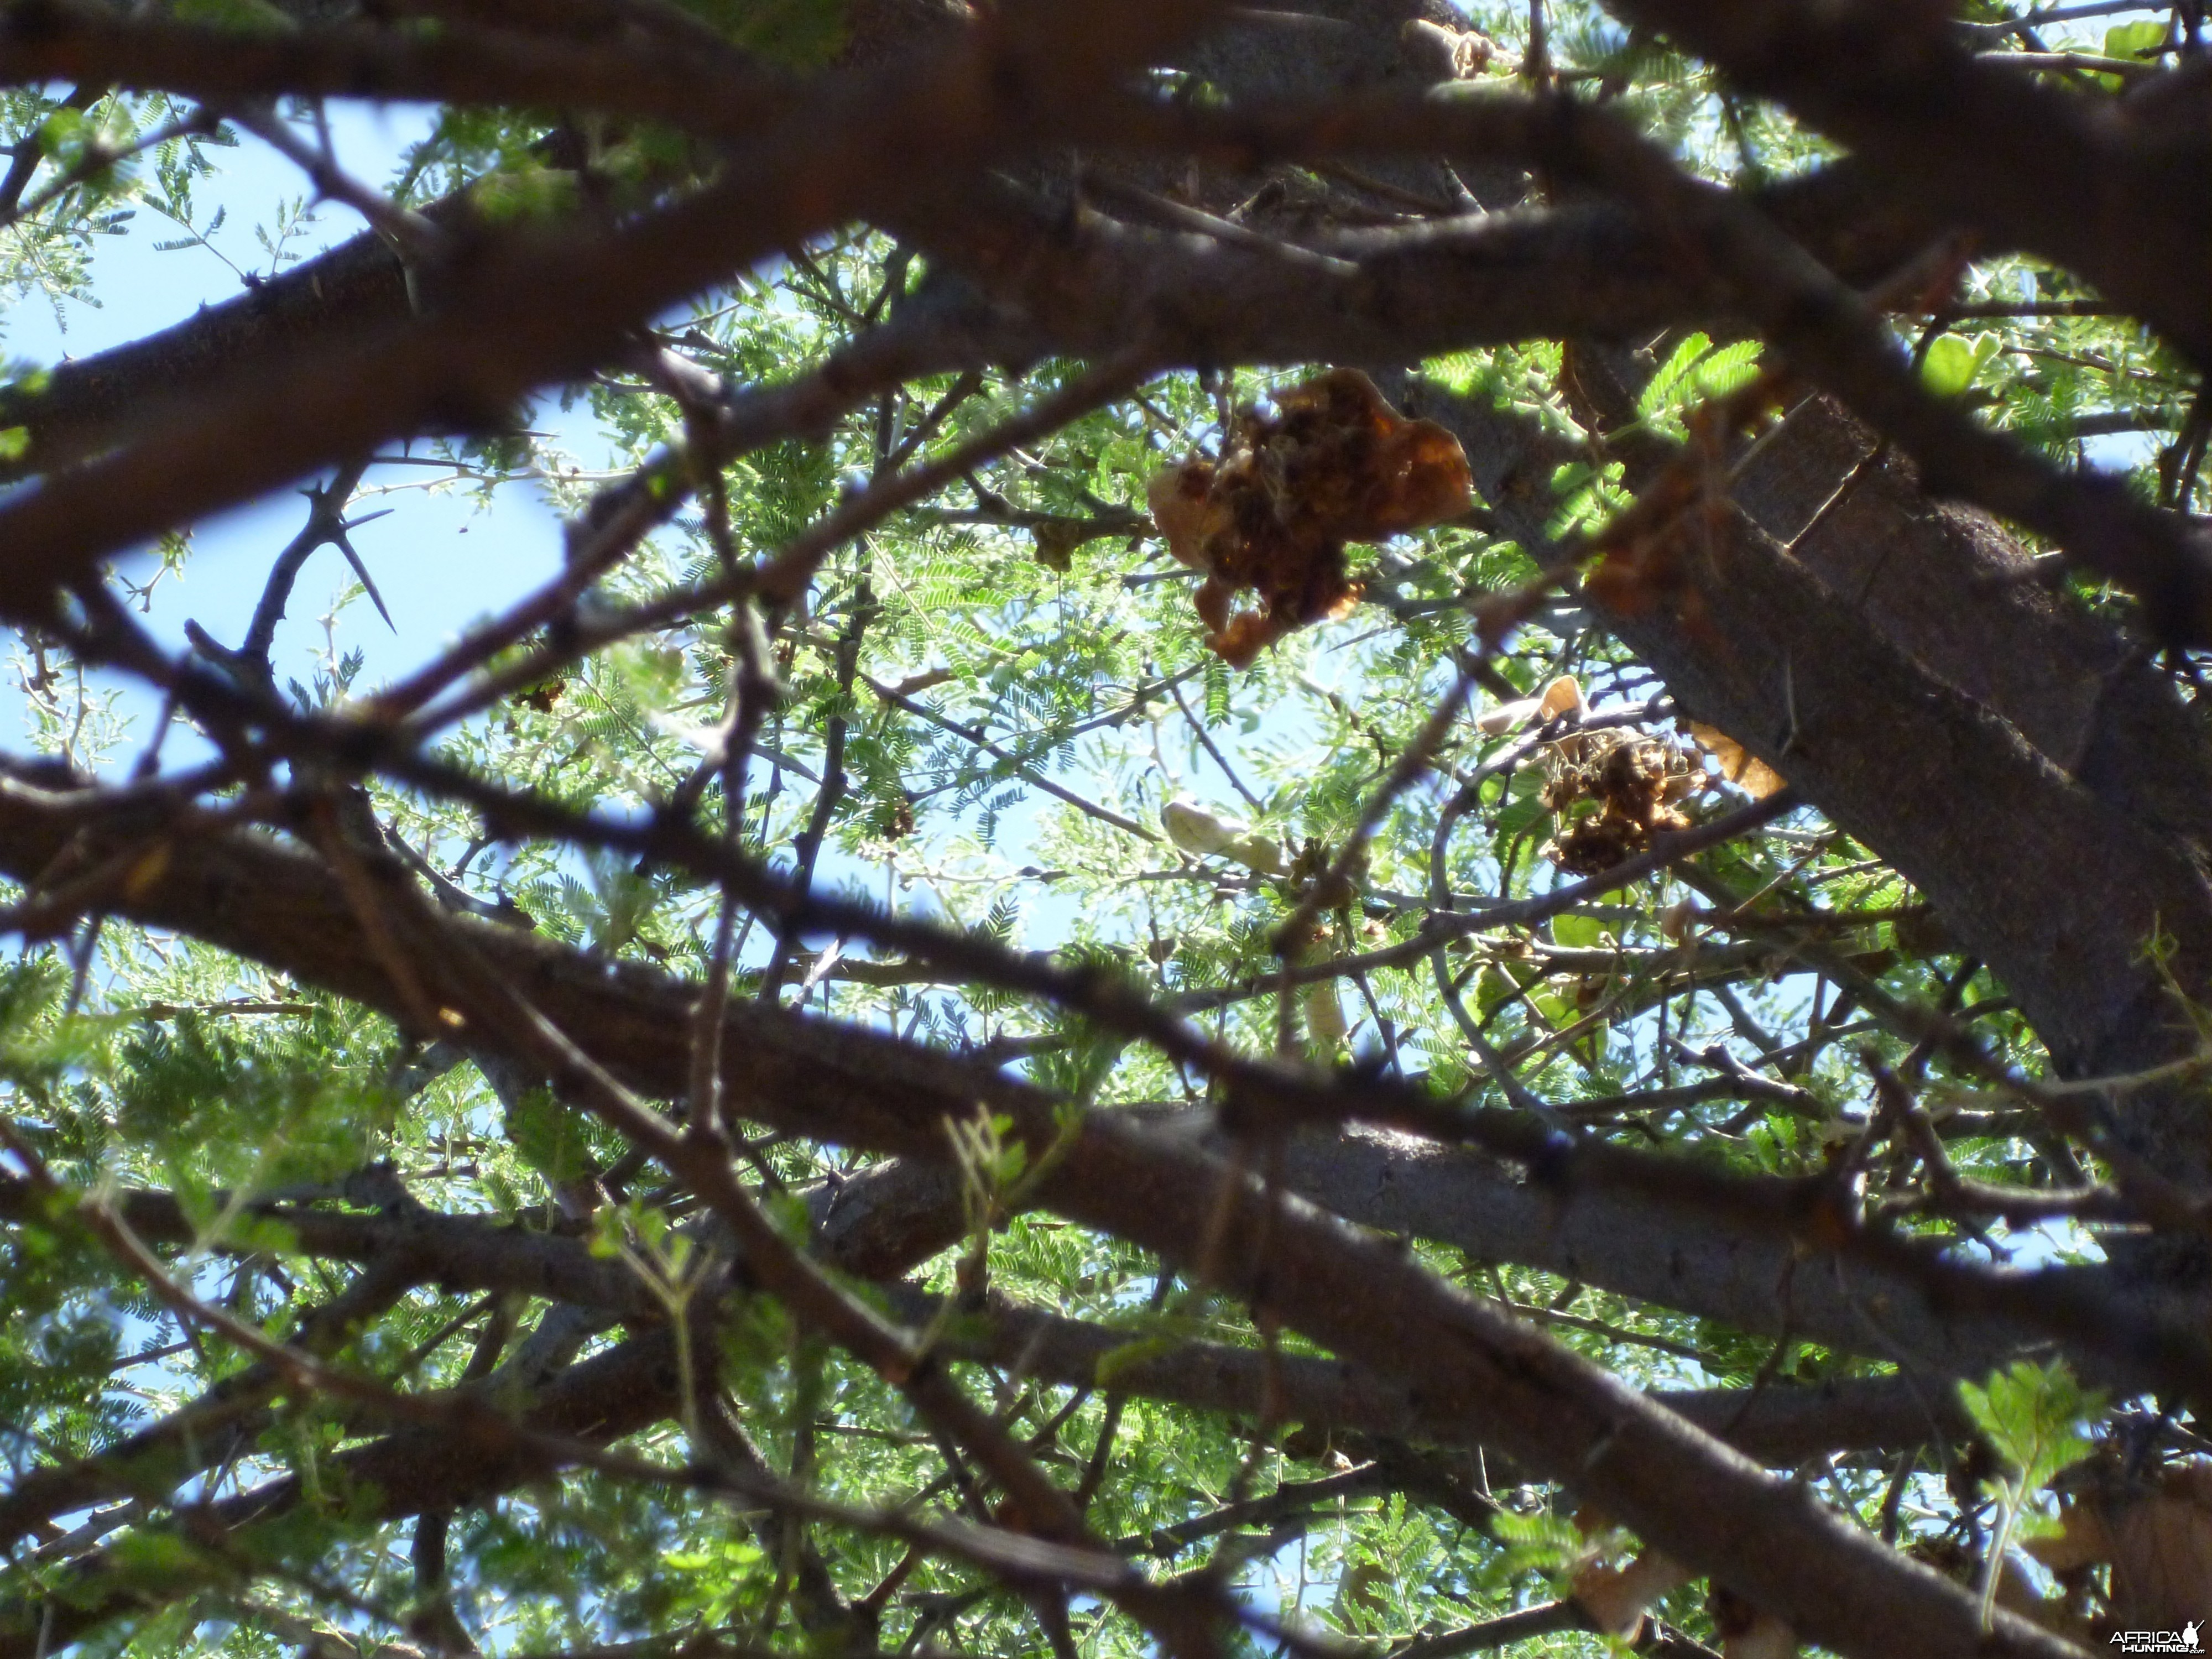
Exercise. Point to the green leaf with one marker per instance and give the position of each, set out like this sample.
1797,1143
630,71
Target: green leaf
1553,1009
2031,1416
2137,42
155,1562
1728,369
1579,933
1664,390
1948,367
551,1137
1519,817
1694,371
1542,1542
60,134
1461,371
265,1234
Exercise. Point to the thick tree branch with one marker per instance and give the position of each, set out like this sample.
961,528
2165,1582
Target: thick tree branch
532,307
1557,1415
2119,189
688,84
1889,748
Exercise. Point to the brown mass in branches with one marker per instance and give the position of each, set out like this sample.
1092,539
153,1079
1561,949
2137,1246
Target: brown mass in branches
1634,781
1334,463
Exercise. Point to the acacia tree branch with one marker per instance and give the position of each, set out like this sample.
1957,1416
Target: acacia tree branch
1886,746
868,1225
1586,267
1781,1426
1785,1213
646,499
199,1435
2115,188
1272,1096
699,1155
423,1468
690,85
1555,1413
926,338
1581,267
978,739
1507,1628
534,307
1828,330
1295,1264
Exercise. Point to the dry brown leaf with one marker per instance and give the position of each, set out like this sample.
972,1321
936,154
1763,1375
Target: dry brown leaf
1615,1598
1186,515
1738,764
543,695
1564,695
1333,464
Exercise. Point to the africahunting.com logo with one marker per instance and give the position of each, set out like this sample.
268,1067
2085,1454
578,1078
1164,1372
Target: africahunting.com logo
2187,1639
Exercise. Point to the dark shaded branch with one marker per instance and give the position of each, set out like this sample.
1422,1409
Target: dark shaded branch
1782,1214
2119,189
1888,741
1555,1413
534,307
689,84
